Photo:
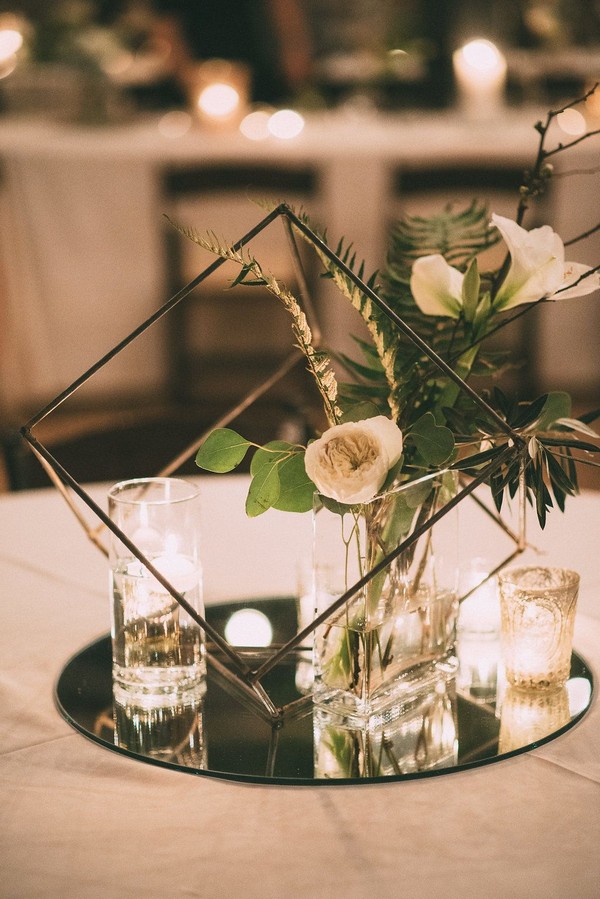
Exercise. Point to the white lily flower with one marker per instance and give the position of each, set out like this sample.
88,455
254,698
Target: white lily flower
436,286
538,269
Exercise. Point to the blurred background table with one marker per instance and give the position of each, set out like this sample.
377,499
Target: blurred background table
86,254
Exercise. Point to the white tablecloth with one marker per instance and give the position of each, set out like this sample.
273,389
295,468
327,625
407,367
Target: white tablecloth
78,820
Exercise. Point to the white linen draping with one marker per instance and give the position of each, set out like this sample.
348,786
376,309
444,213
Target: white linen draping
80,267
79,820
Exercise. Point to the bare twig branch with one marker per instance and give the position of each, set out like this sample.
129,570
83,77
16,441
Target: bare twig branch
582,236
573,143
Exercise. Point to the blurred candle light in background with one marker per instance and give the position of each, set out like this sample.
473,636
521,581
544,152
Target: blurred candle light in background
286,124
572,122
478,633
175,124
11,41
219,101
255,125
218,92
480,74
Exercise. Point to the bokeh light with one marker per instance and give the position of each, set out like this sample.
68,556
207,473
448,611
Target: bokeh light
255,126
11,42
286,124
175,124
482,55
571,121
249,627
219,100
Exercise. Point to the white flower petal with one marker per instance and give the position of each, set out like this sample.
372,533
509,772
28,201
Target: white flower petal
436,286
389,434
350,462
573,271
537,245
537,263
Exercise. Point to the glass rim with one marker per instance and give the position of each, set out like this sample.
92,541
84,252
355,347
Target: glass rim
571,578
118,492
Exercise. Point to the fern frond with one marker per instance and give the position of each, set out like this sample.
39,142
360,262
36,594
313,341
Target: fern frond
458,236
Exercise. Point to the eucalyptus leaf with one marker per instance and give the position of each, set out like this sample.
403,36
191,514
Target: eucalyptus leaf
415,496
393,473
222,451
264,491
434,442
270,454
296,489
333,505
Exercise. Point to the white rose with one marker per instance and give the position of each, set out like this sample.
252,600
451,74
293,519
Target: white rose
350,462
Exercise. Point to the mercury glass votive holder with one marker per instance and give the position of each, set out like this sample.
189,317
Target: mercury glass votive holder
158,647
537,607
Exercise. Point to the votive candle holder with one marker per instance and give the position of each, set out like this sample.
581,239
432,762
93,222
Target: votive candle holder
537,607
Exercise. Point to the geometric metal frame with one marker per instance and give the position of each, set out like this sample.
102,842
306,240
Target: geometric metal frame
239,668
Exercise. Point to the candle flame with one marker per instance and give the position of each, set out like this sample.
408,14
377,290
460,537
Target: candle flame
219,100
482,55
11,41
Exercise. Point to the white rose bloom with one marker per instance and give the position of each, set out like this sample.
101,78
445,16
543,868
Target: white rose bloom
350,462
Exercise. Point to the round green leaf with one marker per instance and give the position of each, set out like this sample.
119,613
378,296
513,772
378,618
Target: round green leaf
434,442
263,492
222,451
297,490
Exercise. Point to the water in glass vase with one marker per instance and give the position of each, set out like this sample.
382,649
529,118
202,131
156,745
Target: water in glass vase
397,632
370,671
157,647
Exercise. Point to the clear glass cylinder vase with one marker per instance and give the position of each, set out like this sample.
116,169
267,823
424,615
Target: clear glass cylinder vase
158,647
397,632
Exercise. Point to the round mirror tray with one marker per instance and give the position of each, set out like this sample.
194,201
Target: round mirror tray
455,722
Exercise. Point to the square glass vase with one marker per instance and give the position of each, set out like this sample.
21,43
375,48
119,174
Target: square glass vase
398,632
